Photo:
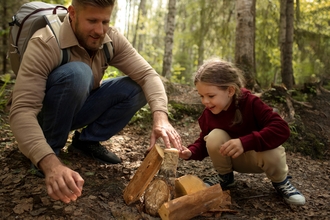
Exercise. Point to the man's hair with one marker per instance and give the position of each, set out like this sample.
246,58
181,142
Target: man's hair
95,3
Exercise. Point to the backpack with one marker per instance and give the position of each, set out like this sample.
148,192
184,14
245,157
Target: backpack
31,17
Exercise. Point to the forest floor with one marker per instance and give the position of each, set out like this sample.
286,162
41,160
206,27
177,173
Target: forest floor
23,195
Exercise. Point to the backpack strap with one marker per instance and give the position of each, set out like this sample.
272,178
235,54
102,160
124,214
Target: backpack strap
108,51
54,24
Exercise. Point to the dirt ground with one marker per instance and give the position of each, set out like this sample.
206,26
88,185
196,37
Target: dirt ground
23,195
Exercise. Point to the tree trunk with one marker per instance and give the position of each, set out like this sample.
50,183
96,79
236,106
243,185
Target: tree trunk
202,32
286,42
4,40
170,26
139,27
245,40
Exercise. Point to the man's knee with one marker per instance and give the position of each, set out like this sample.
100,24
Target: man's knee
77,74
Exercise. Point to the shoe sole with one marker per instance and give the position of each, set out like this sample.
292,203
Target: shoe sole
71,148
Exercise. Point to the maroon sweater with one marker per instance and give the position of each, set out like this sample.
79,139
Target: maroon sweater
261,129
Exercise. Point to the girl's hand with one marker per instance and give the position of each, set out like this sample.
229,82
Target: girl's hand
185,153
232,148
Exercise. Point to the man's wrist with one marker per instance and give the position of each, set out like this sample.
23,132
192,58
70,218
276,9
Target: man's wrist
48,162
159,113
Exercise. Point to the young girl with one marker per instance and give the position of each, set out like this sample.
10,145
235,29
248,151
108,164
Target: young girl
239,132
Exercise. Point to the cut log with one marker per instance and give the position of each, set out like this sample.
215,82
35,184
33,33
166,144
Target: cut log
163,183
144,175
189,206
156,194
188,184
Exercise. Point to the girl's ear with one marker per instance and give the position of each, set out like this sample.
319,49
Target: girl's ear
231,90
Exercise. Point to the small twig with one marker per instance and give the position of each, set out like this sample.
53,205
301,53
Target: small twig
251,197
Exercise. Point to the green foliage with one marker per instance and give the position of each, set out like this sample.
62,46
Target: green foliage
61,2
5,79
111,72
178,76
143,115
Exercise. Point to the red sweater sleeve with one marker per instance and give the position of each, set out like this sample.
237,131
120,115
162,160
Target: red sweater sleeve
268,129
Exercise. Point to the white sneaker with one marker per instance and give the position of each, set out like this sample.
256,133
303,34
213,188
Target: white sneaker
290,194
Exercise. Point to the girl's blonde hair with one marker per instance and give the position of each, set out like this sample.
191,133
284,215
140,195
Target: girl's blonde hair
222,74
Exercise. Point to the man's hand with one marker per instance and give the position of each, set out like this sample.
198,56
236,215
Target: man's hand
162,128
62,183
232,148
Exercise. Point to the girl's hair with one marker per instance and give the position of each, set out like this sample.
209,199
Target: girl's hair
222,74
96,3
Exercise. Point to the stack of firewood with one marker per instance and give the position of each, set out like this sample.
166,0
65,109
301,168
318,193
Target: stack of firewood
165,195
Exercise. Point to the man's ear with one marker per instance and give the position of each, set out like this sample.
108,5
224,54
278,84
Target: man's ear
72,12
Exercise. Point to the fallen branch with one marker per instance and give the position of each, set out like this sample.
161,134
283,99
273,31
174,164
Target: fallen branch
291,108
301,103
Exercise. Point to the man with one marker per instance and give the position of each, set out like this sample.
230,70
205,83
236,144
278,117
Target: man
50,100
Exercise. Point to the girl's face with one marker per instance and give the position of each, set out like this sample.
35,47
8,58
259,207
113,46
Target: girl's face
214,98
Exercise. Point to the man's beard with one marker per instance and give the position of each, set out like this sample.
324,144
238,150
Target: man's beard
83,39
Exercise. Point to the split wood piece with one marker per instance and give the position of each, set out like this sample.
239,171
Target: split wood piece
144,175
156,194
189,206
224,207
162,189
188,184
170,163
169,167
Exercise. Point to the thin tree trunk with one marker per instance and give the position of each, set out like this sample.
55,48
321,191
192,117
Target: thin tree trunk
202,33
245,40
4,40
170,26
286,42
128,16
137,40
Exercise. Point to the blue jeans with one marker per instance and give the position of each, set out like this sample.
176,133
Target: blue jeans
70,103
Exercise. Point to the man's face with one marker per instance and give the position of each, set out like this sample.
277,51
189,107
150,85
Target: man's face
90,25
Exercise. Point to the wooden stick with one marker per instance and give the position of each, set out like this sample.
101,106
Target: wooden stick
144,175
